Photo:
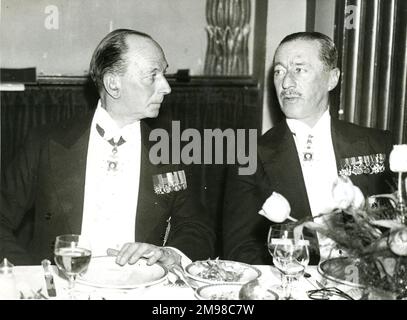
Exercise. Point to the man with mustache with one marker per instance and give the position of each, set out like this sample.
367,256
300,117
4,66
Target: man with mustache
303,155
92,174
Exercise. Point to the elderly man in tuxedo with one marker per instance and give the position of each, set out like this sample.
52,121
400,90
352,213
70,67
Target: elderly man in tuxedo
92,174
301,156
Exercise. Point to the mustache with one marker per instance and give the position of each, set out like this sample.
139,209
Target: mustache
290,93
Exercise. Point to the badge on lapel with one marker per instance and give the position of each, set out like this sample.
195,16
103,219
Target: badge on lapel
169,182
368,164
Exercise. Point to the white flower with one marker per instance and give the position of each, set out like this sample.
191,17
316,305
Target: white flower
398,242
398,158
343,192
346,195
358,199
276,208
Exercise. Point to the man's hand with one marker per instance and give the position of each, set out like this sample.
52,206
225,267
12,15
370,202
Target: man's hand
132,252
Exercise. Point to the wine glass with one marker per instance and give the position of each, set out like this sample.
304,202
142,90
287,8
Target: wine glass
290,255
72,256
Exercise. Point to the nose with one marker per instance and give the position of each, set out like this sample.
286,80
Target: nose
164,86
288,81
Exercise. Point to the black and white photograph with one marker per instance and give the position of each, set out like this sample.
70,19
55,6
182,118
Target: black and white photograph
202,155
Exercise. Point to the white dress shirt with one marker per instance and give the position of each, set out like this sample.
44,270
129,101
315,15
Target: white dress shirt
111,196
319,172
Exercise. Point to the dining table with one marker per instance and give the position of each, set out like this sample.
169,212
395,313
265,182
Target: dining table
30,280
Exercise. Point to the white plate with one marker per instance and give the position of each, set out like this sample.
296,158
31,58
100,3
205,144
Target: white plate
228,291
218,292
104,272
243,272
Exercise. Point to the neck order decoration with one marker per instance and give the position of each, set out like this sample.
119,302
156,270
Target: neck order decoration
113,161
308,154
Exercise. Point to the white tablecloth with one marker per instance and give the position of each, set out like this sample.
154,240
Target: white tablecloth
32,277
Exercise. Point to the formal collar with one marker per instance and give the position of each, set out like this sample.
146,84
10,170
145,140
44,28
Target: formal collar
111,129
321,128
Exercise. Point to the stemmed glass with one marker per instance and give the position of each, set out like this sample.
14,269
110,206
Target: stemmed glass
72,256
290,255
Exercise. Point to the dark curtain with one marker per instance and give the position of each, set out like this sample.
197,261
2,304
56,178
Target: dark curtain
206,106
371,36
38,105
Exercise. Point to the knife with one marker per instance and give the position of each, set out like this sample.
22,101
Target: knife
49,279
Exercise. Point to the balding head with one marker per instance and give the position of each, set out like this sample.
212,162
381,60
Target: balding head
110,54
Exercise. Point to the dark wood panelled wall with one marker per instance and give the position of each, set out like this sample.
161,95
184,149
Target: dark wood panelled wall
371,36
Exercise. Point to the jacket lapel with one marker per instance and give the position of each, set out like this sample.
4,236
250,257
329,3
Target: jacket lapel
68,153
151,208
278,155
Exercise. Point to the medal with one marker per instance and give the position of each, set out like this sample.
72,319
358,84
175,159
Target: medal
112,165
308,154
113,161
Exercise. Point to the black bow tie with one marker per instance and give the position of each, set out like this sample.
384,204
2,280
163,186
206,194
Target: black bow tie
101,131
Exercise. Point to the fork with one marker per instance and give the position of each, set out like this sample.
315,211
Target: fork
179,282
181,278
35,295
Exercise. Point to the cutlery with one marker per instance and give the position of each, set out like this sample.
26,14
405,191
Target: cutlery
179,282
310,282
32,294
321,284
49,279
182,279
40,294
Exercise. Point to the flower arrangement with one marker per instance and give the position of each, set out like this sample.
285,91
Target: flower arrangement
371,231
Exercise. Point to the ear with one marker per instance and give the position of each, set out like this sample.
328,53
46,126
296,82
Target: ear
334,75
112,85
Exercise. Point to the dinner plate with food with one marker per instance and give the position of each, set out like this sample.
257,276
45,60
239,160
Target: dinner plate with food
221,271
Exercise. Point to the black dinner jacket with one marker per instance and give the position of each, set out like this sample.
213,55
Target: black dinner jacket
49,176
279,169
